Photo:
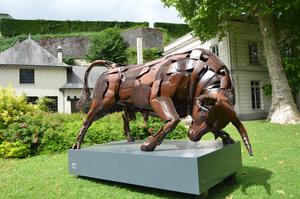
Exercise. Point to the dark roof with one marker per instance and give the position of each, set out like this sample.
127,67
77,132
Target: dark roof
29,53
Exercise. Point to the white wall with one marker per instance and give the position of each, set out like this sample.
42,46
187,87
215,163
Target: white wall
243,72
243,91
72,93
47,82
188,42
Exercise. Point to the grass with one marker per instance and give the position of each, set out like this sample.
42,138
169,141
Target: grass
273,172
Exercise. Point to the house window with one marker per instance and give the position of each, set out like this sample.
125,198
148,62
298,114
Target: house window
26,76
32,99
255,95
215,49
52,106
253,52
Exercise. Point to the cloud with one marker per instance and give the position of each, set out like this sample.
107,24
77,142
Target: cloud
111,10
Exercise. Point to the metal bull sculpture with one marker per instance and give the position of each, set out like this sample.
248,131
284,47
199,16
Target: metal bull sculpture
192,83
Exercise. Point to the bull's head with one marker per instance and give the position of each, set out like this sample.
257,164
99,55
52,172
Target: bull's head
212,112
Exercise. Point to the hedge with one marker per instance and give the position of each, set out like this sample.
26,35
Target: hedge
174,30
13,27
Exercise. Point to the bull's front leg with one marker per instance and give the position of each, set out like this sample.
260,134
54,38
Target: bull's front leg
224,136
164,108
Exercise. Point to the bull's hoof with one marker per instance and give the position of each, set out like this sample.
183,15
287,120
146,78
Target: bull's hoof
149,144
130,138
228,140
76,146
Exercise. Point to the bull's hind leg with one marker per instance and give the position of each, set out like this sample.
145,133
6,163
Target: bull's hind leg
224,136
127,117
98,110
164,108
93,114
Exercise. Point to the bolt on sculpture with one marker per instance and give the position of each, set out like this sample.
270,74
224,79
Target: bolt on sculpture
192,83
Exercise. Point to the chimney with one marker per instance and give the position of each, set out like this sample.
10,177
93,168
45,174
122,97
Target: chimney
59,53
139,49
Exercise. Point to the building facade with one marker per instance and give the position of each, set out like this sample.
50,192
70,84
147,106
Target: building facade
242,52
33,71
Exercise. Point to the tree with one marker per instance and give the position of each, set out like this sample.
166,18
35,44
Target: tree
211,18
108,45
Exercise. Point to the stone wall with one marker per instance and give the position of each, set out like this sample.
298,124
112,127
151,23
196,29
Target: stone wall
73,47
77,47
152,38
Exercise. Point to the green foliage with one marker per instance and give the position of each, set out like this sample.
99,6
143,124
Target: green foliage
43,103
292,70
28,130
267,89
108,45
12,108
272,173
14,150
149,54
140,130
7,42
13,27
69,61
107,129
173,30
210,18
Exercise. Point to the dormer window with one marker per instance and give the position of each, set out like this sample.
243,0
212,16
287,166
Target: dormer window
26,76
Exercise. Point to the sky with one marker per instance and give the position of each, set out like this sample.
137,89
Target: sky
92,10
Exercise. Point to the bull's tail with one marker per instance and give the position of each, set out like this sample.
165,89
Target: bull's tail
86,93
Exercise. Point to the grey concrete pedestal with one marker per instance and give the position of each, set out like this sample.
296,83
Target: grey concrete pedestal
181,166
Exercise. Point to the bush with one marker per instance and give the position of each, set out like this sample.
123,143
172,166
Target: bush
27,130
12,108
107,129
149,54
141,131
108,45
14,150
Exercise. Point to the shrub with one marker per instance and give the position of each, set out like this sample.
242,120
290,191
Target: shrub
26,130
14,150
107,129
140,130
108,45
12,107
149,54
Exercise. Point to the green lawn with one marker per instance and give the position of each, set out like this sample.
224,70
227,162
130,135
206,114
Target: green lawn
273,172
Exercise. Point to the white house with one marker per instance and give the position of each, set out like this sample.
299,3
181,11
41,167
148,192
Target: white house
32,70
242,52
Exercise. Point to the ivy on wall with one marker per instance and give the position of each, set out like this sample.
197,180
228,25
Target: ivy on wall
173,30
13,27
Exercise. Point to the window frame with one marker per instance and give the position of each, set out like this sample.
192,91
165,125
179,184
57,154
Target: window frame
252,57
255,95
215,46
23,72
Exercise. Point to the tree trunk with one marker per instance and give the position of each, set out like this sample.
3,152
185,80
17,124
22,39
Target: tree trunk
283,108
